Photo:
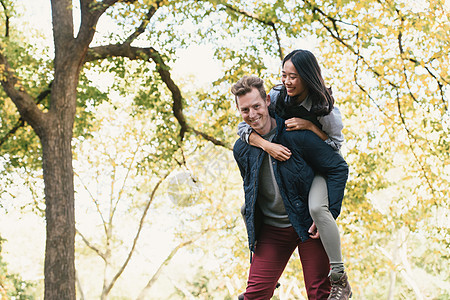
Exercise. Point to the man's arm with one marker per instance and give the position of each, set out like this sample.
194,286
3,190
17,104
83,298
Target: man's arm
323,159
236,155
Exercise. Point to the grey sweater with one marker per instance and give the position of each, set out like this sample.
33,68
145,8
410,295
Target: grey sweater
269,198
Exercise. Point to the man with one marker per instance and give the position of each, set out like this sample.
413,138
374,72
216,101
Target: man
276,193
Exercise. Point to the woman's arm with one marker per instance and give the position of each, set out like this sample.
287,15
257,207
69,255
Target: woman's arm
302,124
331,131
332,124
277,151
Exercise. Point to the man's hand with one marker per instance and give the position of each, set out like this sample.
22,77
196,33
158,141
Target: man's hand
298,124
278,151
313,232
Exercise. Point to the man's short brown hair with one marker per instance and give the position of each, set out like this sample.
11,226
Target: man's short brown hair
246,84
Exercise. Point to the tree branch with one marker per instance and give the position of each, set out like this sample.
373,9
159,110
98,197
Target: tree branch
135,53
260,20
355,76
143,24
97,205
108,288
211,139
167,260
413,141
122,188
400,112
90,13
335,35
24,102
6,18
92,247
416,62
63,17
20,122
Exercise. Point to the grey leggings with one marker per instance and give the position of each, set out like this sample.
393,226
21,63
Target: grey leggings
325,223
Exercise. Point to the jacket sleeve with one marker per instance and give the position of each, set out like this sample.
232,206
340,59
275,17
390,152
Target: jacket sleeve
237,157
324,160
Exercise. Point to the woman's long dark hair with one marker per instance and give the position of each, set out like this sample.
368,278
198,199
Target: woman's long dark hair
308,68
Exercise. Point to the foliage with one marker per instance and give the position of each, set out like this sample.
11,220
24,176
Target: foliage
11,285
387,62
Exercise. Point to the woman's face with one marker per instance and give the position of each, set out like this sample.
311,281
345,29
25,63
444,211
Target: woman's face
294,84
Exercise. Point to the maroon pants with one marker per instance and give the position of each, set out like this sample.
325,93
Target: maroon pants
273,250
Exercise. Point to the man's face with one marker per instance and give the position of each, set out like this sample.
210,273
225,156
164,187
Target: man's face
254,110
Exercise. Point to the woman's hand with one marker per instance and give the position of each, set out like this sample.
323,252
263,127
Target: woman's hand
298,124
313,231
302,124
277,151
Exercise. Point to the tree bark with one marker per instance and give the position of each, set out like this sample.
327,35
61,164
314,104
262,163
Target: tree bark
59,266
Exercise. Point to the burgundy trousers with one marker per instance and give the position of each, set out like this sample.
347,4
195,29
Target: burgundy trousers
272,252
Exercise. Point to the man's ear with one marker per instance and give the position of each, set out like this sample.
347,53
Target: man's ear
268,99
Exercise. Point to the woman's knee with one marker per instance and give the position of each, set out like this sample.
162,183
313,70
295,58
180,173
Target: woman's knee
318,209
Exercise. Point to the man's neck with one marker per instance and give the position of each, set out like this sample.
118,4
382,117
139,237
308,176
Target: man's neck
273,124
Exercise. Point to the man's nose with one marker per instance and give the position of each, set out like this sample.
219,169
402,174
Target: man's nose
252,113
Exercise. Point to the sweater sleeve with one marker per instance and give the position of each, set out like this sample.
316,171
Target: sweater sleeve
244,131
332,125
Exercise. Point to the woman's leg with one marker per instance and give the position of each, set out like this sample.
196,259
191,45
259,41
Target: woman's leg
326,224
273,250
329,235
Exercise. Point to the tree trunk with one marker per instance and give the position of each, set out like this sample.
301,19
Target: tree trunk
59,267
56,138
